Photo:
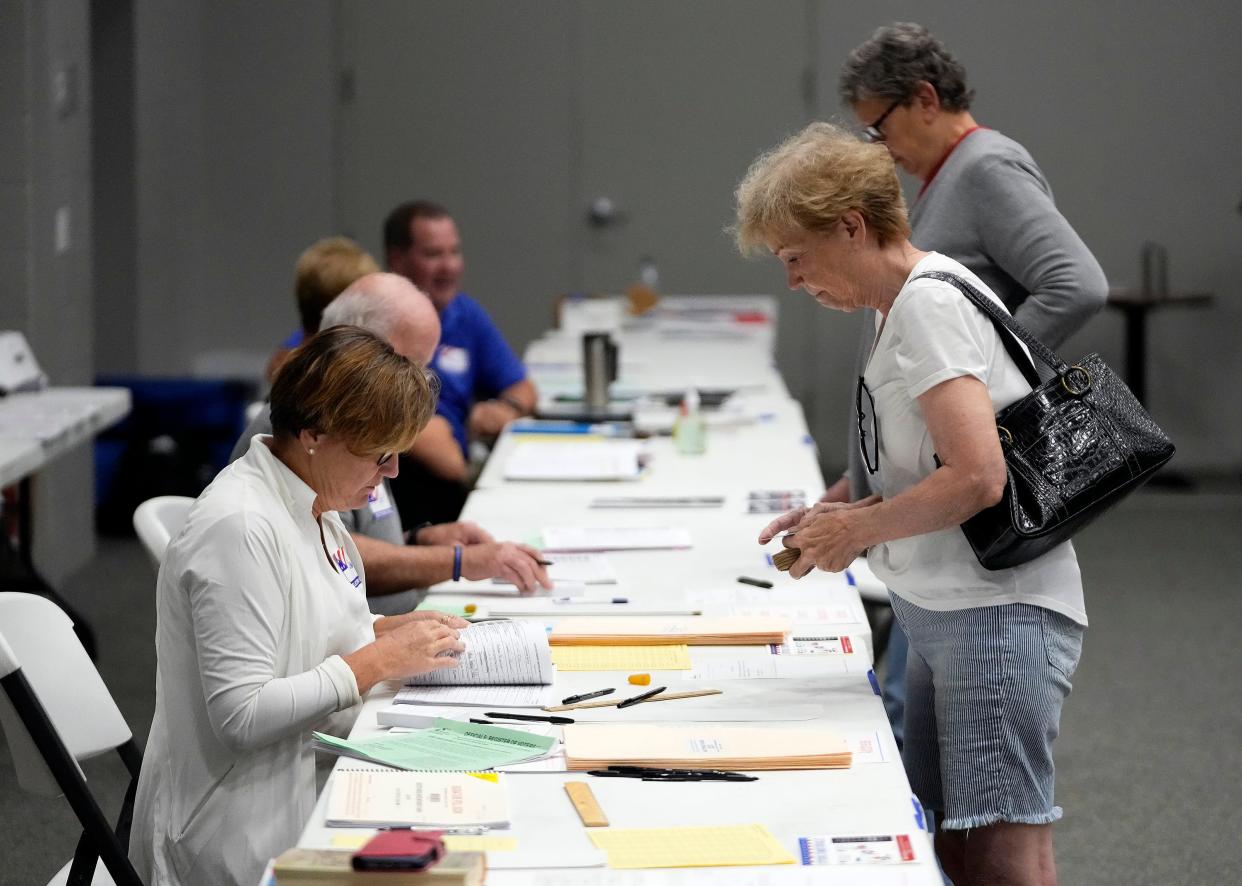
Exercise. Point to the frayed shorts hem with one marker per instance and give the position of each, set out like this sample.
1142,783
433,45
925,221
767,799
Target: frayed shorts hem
982,821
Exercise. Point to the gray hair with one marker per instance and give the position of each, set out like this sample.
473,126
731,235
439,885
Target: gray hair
895,60
375,310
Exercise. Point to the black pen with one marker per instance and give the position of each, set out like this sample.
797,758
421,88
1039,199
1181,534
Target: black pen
635,699
757,582
586,696
559,721
542,562
484,722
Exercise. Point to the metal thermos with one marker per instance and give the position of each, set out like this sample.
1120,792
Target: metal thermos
599,367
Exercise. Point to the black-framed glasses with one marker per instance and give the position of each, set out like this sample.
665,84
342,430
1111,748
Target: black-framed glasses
872,133
384,459
868,427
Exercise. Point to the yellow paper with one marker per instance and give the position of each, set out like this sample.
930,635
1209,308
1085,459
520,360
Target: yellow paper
452,842
351,841
621,658
689,847
464,843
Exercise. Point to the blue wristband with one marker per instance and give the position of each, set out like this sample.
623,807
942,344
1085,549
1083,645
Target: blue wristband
456,562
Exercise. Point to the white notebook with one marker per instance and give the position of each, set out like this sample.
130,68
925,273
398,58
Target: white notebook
376,798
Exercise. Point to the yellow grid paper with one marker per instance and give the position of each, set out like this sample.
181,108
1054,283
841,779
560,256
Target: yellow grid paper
621,658
749,844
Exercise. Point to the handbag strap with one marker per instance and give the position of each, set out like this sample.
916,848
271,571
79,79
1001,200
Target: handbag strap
1009,329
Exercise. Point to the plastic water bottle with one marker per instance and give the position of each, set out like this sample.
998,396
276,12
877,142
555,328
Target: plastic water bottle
690,430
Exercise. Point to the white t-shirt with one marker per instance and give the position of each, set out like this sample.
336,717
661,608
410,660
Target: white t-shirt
933,333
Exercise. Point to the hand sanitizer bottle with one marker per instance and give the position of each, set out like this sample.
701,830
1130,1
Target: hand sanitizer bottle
689,430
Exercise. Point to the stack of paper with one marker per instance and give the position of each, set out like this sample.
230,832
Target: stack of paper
575,461
704,745
450,747
694,630
615,538
497,653
379,798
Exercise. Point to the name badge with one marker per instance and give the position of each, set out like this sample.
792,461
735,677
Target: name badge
453,360
379,502
346,568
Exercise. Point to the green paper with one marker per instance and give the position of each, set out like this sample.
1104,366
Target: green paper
449,745
459,611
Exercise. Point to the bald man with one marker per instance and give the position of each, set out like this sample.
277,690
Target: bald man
394,309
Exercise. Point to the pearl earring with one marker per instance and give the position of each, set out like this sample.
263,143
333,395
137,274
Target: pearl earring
310,451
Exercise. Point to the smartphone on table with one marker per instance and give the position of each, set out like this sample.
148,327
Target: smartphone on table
400,849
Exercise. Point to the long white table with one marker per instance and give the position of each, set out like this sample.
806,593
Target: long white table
771,452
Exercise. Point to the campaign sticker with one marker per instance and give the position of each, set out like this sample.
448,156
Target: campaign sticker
346,568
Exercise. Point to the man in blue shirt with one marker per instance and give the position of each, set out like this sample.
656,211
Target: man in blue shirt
483,384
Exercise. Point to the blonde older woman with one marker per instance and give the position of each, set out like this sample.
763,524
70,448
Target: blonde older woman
263,632
991,651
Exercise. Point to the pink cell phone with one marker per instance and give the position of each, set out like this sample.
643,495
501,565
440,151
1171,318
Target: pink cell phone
400,850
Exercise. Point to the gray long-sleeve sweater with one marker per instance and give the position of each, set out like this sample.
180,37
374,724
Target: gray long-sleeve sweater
990,207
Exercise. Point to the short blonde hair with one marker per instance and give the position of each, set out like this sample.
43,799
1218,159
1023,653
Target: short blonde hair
323,272
810,180
349,383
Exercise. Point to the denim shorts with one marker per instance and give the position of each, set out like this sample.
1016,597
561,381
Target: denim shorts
984,689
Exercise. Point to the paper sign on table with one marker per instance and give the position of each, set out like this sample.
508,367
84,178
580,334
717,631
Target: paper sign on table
855,849
769,667
621,658
690,847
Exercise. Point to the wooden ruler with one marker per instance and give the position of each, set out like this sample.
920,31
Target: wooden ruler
663,696
585,804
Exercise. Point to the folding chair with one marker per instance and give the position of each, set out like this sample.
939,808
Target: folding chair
55,710
157,520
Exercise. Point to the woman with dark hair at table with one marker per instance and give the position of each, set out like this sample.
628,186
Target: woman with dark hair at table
991,652
263,632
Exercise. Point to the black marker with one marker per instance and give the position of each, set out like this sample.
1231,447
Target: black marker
574,699
637,698
532,718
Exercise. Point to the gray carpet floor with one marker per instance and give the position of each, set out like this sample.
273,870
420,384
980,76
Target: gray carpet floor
1150,751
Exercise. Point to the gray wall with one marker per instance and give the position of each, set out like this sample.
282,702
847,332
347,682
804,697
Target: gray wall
517,114
45,286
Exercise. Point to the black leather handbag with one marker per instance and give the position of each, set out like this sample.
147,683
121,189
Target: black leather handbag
1074,447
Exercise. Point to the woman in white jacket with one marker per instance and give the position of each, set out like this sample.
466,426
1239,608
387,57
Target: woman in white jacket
263,630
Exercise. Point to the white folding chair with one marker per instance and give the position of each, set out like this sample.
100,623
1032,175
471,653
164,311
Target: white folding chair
157,520
55,710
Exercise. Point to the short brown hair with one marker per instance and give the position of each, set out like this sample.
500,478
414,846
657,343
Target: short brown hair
323,272
397,234
351,384
812,179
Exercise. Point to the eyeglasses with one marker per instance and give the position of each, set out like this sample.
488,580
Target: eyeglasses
384,459
868,427
872,133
